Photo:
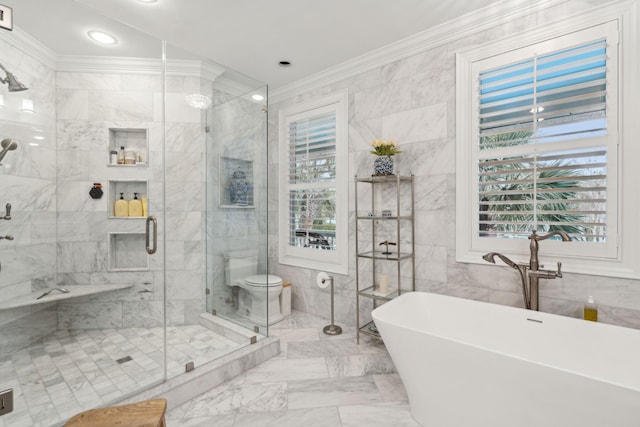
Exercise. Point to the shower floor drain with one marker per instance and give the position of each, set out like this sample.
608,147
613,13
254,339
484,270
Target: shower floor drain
124,359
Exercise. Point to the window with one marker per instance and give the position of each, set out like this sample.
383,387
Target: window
538,148
313,181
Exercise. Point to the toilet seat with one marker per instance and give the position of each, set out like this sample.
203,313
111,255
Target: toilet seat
263,281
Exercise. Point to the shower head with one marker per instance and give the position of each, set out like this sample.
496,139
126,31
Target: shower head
11,81
7,145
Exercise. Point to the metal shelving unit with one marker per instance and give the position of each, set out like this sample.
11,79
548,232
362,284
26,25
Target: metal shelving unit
403,190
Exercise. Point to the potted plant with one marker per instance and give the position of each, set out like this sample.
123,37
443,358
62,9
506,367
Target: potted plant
383,165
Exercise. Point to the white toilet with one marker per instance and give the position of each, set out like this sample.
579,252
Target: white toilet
259,293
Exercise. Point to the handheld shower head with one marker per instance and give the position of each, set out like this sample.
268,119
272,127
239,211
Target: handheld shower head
11,81
7,145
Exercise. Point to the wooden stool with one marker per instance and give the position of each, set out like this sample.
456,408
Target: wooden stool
149,413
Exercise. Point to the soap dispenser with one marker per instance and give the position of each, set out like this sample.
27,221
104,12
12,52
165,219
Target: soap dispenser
121,207
591,310
135,206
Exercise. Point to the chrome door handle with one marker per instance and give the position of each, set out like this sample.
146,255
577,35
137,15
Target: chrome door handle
154,221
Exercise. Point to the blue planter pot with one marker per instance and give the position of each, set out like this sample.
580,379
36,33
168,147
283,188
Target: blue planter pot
383,165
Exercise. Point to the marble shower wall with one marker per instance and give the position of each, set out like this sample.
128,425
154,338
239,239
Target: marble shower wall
28,183
88,105
412,101
237,135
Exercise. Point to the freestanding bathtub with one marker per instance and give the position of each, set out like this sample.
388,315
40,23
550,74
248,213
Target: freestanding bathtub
466,363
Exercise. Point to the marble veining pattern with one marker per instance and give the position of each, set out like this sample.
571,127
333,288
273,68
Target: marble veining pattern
412,100
70,371
316,381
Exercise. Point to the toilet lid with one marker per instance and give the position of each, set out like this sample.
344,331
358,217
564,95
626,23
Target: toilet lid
263,280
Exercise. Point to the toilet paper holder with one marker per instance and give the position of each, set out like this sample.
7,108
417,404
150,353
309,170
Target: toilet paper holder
322,280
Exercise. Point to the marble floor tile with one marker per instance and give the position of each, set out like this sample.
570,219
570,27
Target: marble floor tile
393,414
322,348
356,385
75,370
230,399
216,421
360,364
391,387
314,417
333,392
288,370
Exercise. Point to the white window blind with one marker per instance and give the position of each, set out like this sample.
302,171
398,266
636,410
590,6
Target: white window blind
313,216
545,139
542,151
312,181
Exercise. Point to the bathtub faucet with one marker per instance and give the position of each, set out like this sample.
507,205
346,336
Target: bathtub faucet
535,274
530,274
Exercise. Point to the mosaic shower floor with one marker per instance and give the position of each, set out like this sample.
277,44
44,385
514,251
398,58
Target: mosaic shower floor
75,370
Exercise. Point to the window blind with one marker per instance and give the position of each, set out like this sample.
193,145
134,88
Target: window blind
531,173
312,180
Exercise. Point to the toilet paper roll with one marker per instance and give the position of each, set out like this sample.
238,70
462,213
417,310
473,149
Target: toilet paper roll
322,280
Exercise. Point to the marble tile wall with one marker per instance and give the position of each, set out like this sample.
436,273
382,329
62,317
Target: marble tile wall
28,183
413,102
88,105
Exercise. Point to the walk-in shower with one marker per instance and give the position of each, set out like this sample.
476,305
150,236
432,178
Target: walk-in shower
130,323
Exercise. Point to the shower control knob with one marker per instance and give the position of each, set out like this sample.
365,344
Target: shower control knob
8,214
6,237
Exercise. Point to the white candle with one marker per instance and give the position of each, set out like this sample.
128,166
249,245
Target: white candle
384,283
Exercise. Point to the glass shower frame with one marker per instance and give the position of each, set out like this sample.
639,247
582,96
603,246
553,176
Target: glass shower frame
67,239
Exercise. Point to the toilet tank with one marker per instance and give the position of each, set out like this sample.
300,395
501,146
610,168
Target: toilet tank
240,265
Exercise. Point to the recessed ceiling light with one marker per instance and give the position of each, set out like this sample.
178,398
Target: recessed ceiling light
257,97
102,37
284,63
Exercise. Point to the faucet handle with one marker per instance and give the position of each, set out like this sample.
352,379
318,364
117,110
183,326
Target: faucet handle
6,237
8,214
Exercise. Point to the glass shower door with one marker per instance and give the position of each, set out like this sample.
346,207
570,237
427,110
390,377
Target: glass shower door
236,189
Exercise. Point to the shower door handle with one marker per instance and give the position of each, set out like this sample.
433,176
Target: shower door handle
151,220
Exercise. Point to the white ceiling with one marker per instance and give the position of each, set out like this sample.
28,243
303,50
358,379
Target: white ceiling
248,36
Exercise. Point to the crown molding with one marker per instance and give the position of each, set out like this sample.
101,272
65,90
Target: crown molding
491,16
123,65
25,43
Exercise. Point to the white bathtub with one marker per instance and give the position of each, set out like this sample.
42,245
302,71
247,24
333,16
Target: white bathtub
466,363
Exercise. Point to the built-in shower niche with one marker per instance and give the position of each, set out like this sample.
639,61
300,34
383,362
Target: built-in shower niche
127,252
128,188
135,142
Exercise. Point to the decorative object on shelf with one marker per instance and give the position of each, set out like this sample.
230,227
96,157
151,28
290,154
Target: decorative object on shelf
239,188
386,244
96,191
383,286
236,183
383,165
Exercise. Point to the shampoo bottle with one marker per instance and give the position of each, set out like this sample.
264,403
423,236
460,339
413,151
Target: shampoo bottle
121,207
121,156
135,206
591,310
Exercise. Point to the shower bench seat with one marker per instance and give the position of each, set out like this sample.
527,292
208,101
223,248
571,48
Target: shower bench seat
75,291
